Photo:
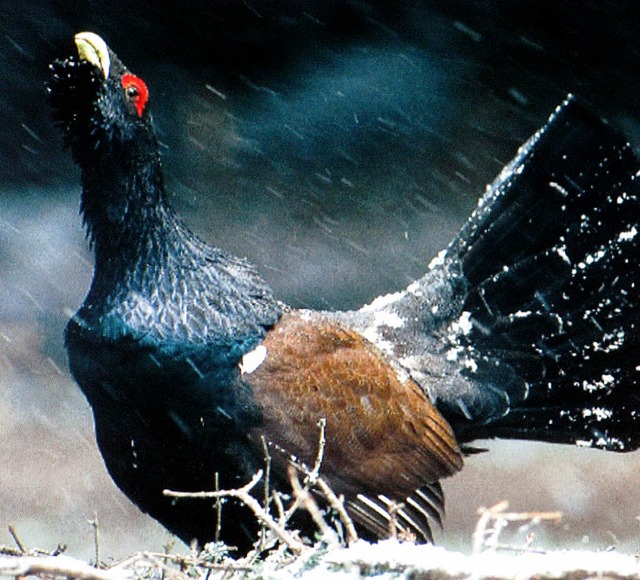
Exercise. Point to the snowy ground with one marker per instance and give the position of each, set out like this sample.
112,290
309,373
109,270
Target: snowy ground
387,560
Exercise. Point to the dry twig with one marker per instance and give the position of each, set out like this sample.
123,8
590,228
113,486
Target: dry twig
161,565
322,442
306,500
498,518
54,566
267,491
311,476
218,508
351,536
244,495
16,539
313,479
188,560
393,510
96,537
302,497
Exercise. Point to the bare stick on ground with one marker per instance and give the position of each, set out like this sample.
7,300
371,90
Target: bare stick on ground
351,536
54,566
313,478
302,497
244,495
218,508
306,500
494,519
393,521
267,490
96,537
16,539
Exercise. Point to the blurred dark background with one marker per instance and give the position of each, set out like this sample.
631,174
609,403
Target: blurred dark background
336,144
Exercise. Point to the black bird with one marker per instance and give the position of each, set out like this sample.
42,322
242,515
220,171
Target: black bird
525,326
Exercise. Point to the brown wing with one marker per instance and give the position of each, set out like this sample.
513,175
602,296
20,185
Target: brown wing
384,438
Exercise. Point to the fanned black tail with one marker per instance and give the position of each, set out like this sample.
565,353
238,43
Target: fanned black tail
551,319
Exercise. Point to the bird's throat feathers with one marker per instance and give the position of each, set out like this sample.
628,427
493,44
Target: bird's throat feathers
124,200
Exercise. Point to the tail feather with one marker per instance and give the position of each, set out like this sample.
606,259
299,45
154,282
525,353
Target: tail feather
528,324
415,516
552,262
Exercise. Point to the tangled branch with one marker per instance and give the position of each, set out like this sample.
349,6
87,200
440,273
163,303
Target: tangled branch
244,495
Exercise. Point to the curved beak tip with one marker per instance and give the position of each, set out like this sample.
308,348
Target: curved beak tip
94,50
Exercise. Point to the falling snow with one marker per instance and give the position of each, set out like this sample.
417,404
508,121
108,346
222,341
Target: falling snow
463,326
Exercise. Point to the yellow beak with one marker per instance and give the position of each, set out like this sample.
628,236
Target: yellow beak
95,50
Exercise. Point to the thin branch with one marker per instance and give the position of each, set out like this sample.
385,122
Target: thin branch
244,495
338,505
218,508
10,551
498,518
240,491
313,478
267,470
54,566
309,503
187,560
275,496
322,442
393,510
96,537
525,548
482,523
532,516
168,547
16,539
161,565
267,493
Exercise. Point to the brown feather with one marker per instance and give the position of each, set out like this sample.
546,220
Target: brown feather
383,436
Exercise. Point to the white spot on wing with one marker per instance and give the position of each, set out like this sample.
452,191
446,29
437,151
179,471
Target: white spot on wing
452,354
522,314
598,413
463,325
382,301
470,364
372,332
628,235
438,260
252,360
390,319
562,252
414,288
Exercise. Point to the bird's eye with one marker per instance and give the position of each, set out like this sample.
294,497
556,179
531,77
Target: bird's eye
136,92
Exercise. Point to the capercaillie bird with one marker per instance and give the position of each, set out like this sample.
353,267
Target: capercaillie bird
524,327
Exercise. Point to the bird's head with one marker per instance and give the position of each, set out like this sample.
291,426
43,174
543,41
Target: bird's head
102,108
96,100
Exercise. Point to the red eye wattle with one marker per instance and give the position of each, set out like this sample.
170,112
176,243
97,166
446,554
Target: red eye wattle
135,91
